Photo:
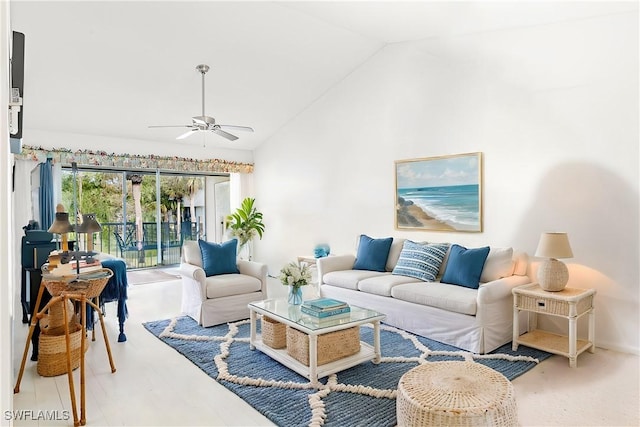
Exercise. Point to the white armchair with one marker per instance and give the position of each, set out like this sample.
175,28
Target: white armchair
222,298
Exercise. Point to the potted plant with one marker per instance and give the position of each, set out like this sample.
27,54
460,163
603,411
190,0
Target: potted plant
245,223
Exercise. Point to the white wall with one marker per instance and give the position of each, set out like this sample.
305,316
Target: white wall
554,110
7,259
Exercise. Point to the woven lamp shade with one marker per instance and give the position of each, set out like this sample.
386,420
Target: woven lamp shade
553,275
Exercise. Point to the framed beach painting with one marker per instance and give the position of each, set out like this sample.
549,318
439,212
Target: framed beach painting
440,193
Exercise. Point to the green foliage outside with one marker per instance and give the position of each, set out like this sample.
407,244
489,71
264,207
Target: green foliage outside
101,193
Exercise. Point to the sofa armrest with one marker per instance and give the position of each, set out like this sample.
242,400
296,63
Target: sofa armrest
192,272
334,263
193,280
498,289
254,269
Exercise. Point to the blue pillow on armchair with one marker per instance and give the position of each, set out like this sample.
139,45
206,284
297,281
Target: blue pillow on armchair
372,253
219,258
464,266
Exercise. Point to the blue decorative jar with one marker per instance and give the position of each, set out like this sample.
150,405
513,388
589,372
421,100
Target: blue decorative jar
321,250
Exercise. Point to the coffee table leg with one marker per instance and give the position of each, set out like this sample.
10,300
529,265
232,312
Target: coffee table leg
313,358
252,336
376,341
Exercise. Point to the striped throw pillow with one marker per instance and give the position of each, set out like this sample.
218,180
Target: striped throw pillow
420,260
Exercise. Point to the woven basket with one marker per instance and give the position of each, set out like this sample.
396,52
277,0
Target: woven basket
52,351
91,287
55,316
273,333
331,346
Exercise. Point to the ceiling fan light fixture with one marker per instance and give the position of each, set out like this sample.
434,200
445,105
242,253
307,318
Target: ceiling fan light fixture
206,123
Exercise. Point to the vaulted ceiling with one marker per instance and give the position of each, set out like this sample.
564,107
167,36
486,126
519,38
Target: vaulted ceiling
112,69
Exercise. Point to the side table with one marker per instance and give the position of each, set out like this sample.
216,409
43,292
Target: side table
569,303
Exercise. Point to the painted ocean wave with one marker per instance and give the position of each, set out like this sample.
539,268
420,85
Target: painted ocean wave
456,205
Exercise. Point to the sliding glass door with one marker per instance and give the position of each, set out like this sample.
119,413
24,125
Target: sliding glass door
145,216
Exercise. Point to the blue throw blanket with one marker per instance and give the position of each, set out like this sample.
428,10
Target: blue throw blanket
116,290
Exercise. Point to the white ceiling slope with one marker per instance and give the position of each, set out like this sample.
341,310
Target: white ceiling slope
111,69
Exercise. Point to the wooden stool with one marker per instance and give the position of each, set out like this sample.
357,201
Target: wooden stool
455,393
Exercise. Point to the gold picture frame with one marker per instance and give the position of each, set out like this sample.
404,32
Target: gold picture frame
441,193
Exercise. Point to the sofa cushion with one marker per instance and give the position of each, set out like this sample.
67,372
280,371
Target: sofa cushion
191,253
394,253
457,299
382,285
372,253
464,266
219,258
421,261
499,264
349,278
224,285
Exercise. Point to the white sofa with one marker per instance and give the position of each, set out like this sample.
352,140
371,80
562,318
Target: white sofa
221,298
477,320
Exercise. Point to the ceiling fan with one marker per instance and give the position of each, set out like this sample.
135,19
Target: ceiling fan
205,123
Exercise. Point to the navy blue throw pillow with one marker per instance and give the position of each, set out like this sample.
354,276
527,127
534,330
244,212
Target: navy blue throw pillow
372,253
219,258
464,266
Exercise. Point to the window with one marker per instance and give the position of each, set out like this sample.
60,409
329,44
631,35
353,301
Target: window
145,216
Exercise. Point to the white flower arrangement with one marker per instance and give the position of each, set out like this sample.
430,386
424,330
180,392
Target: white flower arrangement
294,275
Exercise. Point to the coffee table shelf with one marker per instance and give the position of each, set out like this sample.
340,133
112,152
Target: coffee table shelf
365,354
280,310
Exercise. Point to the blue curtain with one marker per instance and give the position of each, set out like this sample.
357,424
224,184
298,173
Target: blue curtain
45,197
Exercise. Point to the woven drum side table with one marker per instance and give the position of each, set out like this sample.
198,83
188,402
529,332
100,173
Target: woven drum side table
455,393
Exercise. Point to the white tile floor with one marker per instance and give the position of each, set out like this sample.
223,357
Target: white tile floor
155,386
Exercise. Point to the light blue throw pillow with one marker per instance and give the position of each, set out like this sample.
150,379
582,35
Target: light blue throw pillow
420,260
372,253
464,266
219,258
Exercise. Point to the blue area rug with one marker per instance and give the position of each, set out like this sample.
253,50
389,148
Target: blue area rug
360,396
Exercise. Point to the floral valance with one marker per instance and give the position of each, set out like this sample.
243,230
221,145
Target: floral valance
132,161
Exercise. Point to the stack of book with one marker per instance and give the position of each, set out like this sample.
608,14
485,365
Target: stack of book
325,307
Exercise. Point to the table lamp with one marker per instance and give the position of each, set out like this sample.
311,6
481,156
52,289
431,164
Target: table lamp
61,226
89,226
553,275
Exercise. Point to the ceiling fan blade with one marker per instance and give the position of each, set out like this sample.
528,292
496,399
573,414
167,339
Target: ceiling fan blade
187,134
224,134
176,126
234,127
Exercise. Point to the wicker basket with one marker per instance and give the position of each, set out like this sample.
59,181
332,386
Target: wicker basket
91,284
55,316
331,346
52,351
273,333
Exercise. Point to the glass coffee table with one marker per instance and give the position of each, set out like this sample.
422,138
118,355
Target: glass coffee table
281,311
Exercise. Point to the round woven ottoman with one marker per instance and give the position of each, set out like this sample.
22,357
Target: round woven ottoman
455,394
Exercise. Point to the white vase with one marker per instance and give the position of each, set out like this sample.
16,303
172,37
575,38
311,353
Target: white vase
245,252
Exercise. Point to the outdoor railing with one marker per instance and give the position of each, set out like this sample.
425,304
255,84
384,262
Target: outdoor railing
122,241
